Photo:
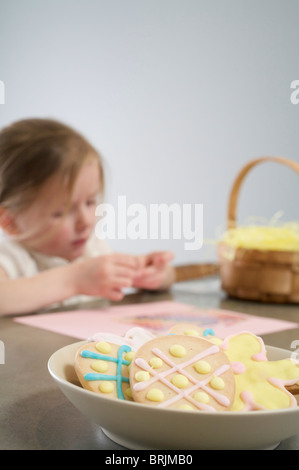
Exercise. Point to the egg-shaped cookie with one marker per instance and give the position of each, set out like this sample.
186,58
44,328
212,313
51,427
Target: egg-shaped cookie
102,367
182,372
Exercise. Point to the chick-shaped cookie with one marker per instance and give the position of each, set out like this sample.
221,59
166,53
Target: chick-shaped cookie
260,383
182,372
103,368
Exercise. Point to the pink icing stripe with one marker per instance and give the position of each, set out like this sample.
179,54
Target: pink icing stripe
174,367
180,367
220,398
261,356
250,404
238,367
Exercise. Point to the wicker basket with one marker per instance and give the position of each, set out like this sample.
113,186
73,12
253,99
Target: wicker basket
260,275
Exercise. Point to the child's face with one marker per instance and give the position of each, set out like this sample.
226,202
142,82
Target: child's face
72,229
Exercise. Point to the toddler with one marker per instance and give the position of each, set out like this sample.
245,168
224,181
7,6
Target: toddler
51,180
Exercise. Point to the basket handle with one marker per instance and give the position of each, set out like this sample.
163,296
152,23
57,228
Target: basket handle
233,198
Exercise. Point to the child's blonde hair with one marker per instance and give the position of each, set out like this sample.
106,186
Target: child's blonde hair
32,151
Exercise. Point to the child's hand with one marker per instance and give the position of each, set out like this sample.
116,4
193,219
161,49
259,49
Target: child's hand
155,271
106,275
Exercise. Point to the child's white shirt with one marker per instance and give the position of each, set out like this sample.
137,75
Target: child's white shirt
19,262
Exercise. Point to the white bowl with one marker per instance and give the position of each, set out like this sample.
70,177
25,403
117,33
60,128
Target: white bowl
137,426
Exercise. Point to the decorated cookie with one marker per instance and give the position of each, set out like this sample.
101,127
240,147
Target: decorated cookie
134,337
182,372
137,336
102,367
191,329
260,384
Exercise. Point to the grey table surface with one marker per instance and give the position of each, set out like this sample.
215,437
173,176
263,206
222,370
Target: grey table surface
35,415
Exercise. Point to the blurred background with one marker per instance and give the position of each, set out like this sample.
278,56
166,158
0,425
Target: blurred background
177,95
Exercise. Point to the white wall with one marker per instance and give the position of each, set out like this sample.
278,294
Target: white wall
176,94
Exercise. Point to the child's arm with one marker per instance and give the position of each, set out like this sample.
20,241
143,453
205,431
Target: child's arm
104,276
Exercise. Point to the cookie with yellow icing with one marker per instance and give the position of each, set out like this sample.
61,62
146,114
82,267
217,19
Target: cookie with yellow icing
182,372
103,367
260,384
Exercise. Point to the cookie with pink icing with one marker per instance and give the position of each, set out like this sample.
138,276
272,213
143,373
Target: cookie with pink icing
260,384
182,372
103,367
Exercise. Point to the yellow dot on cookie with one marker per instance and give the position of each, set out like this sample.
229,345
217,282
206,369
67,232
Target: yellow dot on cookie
201,397
202,367
155,394
177,350
180,381
217,383
142,376
99,366
191,333
128,392
129,356
103,347
106,387
185,407
156,362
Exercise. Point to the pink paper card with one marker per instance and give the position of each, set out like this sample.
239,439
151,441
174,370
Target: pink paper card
157,317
